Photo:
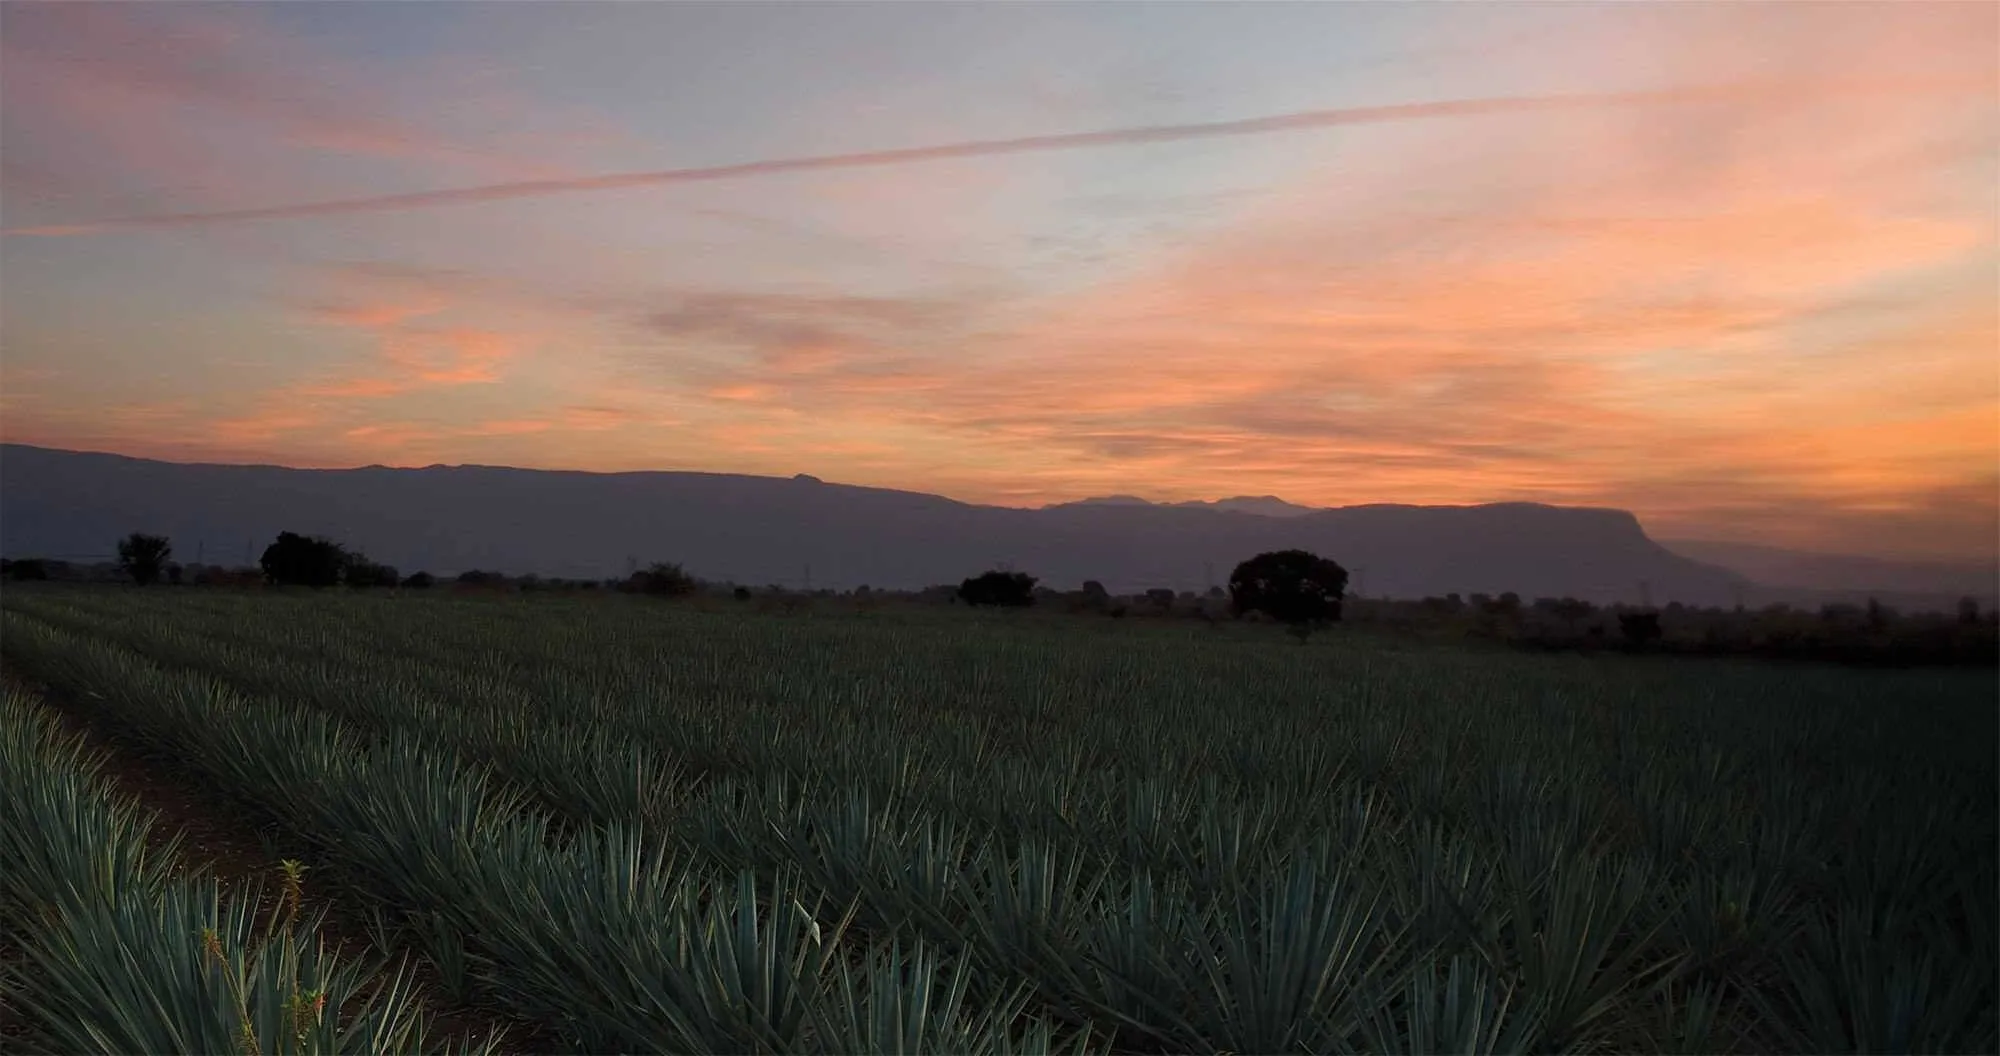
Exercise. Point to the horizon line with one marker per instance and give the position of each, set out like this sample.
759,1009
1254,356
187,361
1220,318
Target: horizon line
1163,504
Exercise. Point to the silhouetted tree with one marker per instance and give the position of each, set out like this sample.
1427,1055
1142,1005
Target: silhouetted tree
664,580
1007,589
27,568
1570,610
740,593
1294,587
1093,597
362,572
474,577
1968,611
303,561
1640,628
143,557
1161,597
420,581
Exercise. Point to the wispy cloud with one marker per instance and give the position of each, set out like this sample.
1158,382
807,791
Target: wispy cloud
1754,310
1580,308
202,105
1291,122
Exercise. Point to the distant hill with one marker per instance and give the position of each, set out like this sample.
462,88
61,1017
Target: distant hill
767,529
1847,577
1260,505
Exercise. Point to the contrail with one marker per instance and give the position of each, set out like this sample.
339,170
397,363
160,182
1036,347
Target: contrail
1292,122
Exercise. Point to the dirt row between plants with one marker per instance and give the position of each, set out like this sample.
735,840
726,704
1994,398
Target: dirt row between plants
216,840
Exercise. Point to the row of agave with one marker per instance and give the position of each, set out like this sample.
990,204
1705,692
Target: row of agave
1655,865
1689,777
610,940
118,949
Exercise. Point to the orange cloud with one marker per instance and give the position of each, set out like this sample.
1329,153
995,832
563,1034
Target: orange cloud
377,316
1721,320
399,312
1743,312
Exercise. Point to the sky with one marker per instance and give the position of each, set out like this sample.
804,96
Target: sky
1735,268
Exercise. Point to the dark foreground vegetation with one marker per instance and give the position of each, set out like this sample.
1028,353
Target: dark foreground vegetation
1301,591
709,826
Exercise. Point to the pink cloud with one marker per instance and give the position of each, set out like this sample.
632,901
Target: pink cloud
1584,307
1754,312
150,106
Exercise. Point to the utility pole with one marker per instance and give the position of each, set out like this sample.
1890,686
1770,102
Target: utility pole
1645,594
1358,573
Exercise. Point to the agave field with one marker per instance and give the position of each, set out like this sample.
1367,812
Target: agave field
614,825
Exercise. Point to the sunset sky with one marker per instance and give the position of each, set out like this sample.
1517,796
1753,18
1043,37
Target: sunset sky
1735,268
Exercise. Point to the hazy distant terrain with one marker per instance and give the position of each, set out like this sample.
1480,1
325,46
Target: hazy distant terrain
767,529
1792,576
760,530
1842,573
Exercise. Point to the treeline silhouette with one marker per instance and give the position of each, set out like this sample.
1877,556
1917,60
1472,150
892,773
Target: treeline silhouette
1295,589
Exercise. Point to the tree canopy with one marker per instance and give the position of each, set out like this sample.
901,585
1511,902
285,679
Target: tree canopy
304,561
664,579
1296,587
144,557
1007,589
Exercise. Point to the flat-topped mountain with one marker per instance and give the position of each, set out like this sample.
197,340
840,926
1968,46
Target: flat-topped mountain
1260,505
777,529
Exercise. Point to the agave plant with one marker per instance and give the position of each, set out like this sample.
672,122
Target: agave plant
118,954
1559,853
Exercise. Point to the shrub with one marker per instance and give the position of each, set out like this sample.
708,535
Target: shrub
304,561
663,579
27,568
1639,628
143,557
420,581
362,572
1006,589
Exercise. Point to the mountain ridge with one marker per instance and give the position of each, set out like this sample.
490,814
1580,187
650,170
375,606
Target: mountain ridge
758,529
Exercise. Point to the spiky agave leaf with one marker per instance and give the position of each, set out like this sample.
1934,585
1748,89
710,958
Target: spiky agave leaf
1580,947
900,1001
1469,1011
1861,983
133,960
1278,963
